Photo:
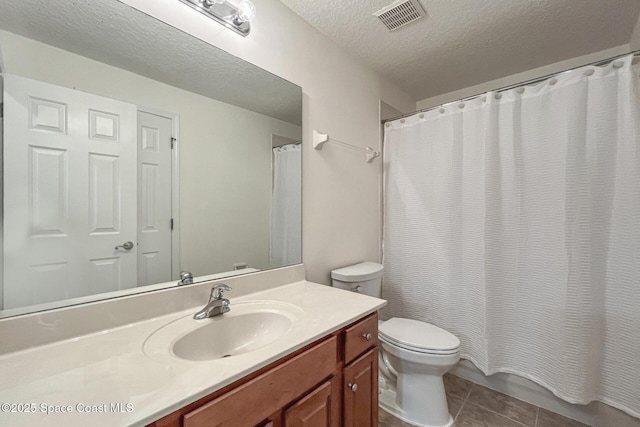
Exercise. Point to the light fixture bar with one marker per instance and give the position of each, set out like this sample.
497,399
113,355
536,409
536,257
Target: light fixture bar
221,12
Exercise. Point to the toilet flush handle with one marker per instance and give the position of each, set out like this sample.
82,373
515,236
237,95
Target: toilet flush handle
353,387
357,289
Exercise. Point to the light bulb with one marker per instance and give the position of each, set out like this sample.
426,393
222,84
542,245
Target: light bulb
246,11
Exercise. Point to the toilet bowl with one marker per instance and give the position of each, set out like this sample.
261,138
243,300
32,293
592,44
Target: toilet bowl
413,356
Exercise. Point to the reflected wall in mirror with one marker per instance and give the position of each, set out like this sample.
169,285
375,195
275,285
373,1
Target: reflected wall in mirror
133,151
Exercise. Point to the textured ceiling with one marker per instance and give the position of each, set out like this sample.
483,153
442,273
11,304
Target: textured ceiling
116,34
462,43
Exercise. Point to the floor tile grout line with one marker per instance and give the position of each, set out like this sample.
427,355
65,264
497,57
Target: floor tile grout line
497,413
455,417
464,400
468,393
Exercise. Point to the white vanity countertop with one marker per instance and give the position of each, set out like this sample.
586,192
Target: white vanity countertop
97,372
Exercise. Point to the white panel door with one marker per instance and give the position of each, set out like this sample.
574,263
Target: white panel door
154,199
69,193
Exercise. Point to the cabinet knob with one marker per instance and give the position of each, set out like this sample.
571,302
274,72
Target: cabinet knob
367,337
353,387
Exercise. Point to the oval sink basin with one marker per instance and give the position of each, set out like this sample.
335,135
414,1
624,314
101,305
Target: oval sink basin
231,336
247,327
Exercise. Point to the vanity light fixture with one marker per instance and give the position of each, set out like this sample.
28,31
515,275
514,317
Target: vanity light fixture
236,18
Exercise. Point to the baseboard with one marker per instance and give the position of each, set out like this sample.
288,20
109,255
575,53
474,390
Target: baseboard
595,414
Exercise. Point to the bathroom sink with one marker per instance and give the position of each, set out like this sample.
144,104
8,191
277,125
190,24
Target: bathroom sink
230,336
247,327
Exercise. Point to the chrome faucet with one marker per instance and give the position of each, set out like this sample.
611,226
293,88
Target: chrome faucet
186,278
216,305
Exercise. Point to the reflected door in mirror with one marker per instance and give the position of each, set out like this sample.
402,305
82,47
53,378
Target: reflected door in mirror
155,143
69,167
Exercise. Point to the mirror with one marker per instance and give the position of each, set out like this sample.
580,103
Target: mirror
133,152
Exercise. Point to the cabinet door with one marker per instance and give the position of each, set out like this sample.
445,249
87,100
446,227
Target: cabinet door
314,410
361,391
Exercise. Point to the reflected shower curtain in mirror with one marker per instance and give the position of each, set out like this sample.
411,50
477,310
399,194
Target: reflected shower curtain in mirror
513,221
286,207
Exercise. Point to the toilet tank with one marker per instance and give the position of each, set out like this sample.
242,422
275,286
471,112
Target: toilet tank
365,278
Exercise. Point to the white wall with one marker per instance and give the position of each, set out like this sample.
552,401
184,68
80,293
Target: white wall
341,194
387,111
634,43
521,77
225,175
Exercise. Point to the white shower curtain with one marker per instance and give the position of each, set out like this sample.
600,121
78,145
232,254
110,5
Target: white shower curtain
286,205
513,221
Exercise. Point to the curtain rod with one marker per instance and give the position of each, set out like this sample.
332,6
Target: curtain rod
524,83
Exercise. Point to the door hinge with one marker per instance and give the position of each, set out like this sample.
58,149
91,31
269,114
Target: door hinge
173,142
1,109
172,223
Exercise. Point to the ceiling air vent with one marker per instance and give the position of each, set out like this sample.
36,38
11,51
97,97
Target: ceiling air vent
400,13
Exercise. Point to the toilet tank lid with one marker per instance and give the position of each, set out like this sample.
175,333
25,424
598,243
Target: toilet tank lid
358,272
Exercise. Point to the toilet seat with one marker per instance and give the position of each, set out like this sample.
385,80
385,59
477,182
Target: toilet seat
417,336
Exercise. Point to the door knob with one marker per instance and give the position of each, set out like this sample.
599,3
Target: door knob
126,245
353,387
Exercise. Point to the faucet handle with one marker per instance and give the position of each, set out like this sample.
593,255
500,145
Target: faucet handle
186,278
217,290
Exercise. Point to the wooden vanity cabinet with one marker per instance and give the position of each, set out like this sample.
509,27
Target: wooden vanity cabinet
332,382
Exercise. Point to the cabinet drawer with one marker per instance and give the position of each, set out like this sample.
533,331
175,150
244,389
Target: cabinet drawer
360,337
254,401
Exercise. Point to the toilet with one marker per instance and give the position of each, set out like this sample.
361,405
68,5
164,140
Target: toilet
413,356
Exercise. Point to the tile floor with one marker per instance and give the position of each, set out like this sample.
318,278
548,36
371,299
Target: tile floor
475,406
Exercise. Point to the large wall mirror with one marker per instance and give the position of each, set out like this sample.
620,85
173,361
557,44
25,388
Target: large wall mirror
132,152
